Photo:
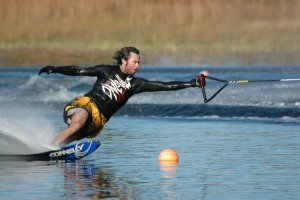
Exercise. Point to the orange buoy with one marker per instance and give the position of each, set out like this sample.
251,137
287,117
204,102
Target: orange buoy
169,155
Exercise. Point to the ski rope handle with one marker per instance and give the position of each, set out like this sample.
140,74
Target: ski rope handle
202,84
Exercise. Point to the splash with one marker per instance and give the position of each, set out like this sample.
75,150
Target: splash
37,88
24,130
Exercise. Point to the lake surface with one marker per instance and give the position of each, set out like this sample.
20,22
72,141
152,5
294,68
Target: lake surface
244,144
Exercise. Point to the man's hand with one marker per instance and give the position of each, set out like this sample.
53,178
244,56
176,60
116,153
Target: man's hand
48,69
200,81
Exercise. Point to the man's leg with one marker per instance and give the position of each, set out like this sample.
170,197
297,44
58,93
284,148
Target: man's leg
69,134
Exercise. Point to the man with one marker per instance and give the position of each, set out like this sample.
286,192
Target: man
115,84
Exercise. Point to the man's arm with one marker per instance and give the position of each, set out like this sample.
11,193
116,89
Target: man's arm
152,86
72,70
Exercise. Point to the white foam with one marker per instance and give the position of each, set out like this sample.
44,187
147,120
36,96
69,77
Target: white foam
24,130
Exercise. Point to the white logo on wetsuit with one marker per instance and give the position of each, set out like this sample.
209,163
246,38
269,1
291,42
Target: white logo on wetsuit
116,87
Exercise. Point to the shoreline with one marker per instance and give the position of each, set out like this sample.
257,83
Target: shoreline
21,57
170,32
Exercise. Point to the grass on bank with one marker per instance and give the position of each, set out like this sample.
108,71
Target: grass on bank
210,26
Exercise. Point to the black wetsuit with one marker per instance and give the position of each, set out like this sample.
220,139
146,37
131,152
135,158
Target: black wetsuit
113,88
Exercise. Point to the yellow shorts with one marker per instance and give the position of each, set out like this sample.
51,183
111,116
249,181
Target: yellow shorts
96,119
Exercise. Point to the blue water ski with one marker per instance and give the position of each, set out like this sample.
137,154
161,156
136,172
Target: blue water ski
74,151
69,152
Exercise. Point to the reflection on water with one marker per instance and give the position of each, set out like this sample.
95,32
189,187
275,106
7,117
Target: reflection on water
168,169
168,174
84,179
59,180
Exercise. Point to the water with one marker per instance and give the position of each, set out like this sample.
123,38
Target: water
244,144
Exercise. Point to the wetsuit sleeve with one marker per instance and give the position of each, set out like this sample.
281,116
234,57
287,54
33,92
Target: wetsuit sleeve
73,70
144,85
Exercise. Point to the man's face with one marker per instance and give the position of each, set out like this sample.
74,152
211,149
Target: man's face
131,65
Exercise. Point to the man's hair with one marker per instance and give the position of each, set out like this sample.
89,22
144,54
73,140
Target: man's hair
124,53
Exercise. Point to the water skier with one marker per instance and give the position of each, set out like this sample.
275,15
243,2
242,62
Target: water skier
115,84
